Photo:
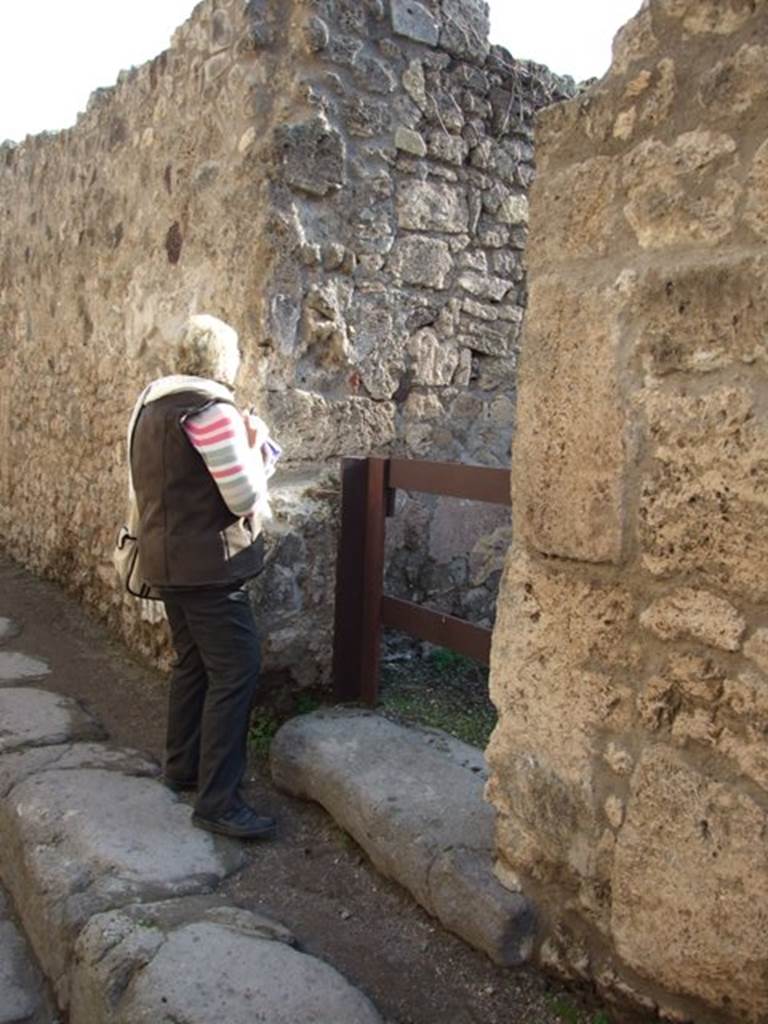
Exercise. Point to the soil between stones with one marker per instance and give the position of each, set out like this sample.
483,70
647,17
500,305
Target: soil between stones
313,877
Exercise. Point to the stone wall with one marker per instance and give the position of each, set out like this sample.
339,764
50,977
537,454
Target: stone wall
630,656
343,181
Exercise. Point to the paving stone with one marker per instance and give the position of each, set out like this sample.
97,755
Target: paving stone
36,718
77,842
21,986
194,961
8,629
16,767
15,666
413,799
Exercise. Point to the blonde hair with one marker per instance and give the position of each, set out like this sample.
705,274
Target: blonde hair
208,347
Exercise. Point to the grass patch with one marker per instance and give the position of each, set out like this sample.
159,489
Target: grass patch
443,690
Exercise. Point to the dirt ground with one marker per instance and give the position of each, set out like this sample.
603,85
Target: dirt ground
313,877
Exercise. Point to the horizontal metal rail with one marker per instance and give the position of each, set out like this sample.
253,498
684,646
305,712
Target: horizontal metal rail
437,628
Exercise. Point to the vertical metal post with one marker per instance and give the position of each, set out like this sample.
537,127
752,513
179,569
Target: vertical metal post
359,580
373,571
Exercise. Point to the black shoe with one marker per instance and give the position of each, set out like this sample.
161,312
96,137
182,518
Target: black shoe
241,823
178,785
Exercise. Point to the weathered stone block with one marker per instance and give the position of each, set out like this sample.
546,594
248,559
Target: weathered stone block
410,141
696,614
702,317
570,453
704,504
582,213
756,207
431,206
556,643
736,83
414,21
692,864
702,17
313,156
434,360
422,261
681,193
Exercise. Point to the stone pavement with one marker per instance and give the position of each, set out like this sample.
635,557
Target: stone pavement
116,892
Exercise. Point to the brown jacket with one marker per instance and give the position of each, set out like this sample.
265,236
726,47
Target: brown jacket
187,535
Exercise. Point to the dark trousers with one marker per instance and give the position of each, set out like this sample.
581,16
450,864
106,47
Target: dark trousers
213,684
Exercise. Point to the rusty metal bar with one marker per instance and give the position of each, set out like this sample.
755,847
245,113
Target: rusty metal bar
478,483
443,630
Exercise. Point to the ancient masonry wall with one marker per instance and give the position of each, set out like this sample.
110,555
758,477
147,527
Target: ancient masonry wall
343,181
630,657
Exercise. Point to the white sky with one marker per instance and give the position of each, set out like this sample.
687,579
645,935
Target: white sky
54,53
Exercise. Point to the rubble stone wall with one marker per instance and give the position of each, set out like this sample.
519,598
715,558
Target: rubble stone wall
630,656
343,181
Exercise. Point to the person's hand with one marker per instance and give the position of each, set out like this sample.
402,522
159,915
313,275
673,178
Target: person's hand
256,428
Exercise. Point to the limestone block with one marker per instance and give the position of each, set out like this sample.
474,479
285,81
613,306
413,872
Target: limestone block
414,83
466,29
702,17
756,207
313,156
583,219
634,42
688,613
756,648
450,148
410,141
570,452
414,21
514,210
735,83
421,261
557,641
190,960
692,864
703,316
681,193
413,799
485,286
434,361
704,499
432,206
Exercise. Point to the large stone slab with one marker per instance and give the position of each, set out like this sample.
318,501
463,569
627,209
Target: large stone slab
413,799
21,986
37,718
199,961
77,842
14,667
16,767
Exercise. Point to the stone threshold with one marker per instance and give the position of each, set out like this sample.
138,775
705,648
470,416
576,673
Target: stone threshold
412,798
